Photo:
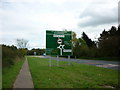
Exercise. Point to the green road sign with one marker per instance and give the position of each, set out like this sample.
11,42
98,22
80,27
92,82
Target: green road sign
58,43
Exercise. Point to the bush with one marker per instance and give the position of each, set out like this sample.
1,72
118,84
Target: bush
10,54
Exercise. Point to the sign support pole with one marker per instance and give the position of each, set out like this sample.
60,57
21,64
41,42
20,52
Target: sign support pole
57,60
75,57
68,60
50,64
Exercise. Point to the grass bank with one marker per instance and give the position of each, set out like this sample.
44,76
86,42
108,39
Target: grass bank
9,74
73,76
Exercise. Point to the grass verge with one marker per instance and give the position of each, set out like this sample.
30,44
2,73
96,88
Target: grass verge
9,74
73,76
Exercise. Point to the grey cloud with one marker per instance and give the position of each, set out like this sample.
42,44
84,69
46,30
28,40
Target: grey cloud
119,12
98,16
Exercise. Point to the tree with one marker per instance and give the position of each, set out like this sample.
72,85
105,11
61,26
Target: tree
118,31
88,41
80,48
38,51
75,44
74,39
10,55
22,43
109,42
112,31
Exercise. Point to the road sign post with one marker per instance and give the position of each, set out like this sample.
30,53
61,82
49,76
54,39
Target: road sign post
68,60
50,62
57,60
34,53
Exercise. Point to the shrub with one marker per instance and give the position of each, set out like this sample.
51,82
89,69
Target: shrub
10,54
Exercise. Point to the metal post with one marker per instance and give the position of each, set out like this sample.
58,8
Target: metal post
75,57
60,51
50,64
68,60
57,60
1,67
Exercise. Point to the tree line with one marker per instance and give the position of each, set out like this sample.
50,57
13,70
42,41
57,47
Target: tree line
108,44
36,51
12,54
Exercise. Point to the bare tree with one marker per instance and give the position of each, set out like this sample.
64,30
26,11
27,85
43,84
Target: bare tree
22,43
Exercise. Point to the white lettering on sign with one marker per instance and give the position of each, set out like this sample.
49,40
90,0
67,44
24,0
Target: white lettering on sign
67,50
58,35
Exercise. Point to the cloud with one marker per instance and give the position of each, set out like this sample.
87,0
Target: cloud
99,13
119,12
29,19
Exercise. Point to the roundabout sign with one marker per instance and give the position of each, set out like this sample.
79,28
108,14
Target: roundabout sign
59,43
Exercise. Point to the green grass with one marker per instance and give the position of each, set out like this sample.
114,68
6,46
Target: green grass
0,78
73,76
9,74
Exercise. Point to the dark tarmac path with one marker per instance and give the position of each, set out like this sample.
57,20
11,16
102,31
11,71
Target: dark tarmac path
24,79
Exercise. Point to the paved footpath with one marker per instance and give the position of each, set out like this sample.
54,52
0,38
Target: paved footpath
24,79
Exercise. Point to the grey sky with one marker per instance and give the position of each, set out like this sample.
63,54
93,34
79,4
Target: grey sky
99,13
29,19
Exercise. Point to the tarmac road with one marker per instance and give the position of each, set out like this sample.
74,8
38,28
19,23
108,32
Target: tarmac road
105,64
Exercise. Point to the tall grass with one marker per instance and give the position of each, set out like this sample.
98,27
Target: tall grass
9,74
